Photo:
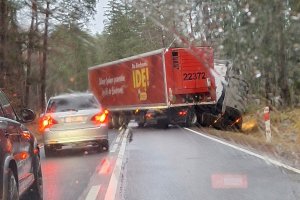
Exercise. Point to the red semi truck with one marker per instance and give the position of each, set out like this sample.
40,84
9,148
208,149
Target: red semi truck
166,86
175,85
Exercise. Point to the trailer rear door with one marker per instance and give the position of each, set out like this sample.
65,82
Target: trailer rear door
191,70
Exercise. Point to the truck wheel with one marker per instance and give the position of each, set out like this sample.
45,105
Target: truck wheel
141,124
140,119
115,121
164,124
201,120
110,125
191,119
206,119
122,119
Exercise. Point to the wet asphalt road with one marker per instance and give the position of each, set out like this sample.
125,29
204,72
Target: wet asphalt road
66,176
168,164
177,164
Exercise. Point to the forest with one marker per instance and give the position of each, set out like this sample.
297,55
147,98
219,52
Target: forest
46,45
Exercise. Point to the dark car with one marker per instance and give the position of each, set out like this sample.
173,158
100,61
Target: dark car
20,168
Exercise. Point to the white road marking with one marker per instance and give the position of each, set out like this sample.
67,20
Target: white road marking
265,158
133,124
114,148
93,193
114,179
119,137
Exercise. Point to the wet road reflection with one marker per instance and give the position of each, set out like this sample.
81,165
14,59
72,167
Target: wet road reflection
67,174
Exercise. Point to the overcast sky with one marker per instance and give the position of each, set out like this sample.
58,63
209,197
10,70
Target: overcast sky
97,25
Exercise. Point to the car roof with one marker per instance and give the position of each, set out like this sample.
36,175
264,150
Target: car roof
68,95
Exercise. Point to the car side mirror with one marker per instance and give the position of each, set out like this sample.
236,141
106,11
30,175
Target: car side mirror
27,115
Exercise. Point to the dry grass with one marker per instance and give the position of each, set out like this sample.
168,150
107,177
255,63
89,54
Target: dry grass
285,126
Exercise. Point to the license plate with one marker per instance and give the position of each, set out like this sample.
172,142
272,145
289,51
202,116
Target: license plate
74,119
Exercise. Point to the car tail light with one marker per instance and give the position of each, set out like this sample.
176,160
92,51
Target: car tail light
46,122
100,118
182,113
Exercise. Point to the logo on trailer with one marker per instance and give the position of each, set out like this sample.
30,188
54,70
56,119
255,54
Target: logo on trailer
140,78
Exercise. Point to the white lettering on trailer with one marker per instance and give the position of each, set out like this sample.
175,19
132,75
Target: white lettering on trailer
139,65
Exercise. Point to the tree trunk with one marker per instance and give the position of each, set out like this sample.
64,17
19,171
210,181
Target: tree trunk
3,32
44,59
29,53
282,65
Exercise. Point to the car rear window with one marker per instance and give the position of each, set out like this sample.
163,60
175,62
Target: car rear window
72,103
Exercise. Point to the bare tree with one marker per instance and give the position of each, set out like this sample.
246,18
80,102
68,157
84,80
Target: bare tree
44,58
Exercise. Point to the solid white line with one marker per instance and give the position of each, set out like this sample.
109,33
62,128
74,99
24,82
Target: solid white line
265,158
114,179
119,137
93,193
114,148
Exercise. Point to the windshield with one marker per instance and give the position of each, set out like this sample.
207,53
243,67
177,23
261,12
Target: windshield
151,99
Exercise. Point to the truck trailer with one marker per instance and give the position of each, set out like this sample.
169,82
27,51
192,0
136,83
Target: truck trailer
166,86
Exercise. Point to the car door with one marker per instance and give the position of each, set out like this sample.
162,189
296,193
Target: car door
21,144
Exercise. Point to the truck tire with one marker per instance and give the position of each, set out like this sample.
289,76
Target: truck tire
115,122
206,119
163,124
141,124
191,119
140,119
122,119
233,119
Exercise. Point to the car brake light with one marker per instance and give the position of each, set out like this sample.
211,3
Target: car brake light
182,113
100,117
46,122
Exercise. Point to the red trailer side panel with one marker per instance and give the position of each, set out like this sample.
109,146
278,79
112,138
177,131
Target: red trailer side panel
134,82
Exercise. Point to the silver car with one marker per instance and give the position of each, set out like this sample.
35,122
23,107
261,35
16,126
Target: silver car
75,120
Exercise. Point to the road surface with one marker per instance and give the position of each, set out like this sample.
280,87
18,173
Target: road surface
173,164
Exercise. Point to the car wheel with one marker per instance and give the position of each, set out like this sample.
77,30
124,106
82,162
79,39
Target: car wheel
36,190
49,151
12,189
103,146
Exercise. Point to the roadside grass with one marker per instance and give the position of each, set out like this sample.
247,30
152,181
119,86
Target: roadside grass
285,128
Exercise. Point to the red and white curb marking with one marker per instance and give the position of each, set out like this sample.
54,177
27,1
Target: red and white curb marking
267,124
105,168
93,193
115,177
229,181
